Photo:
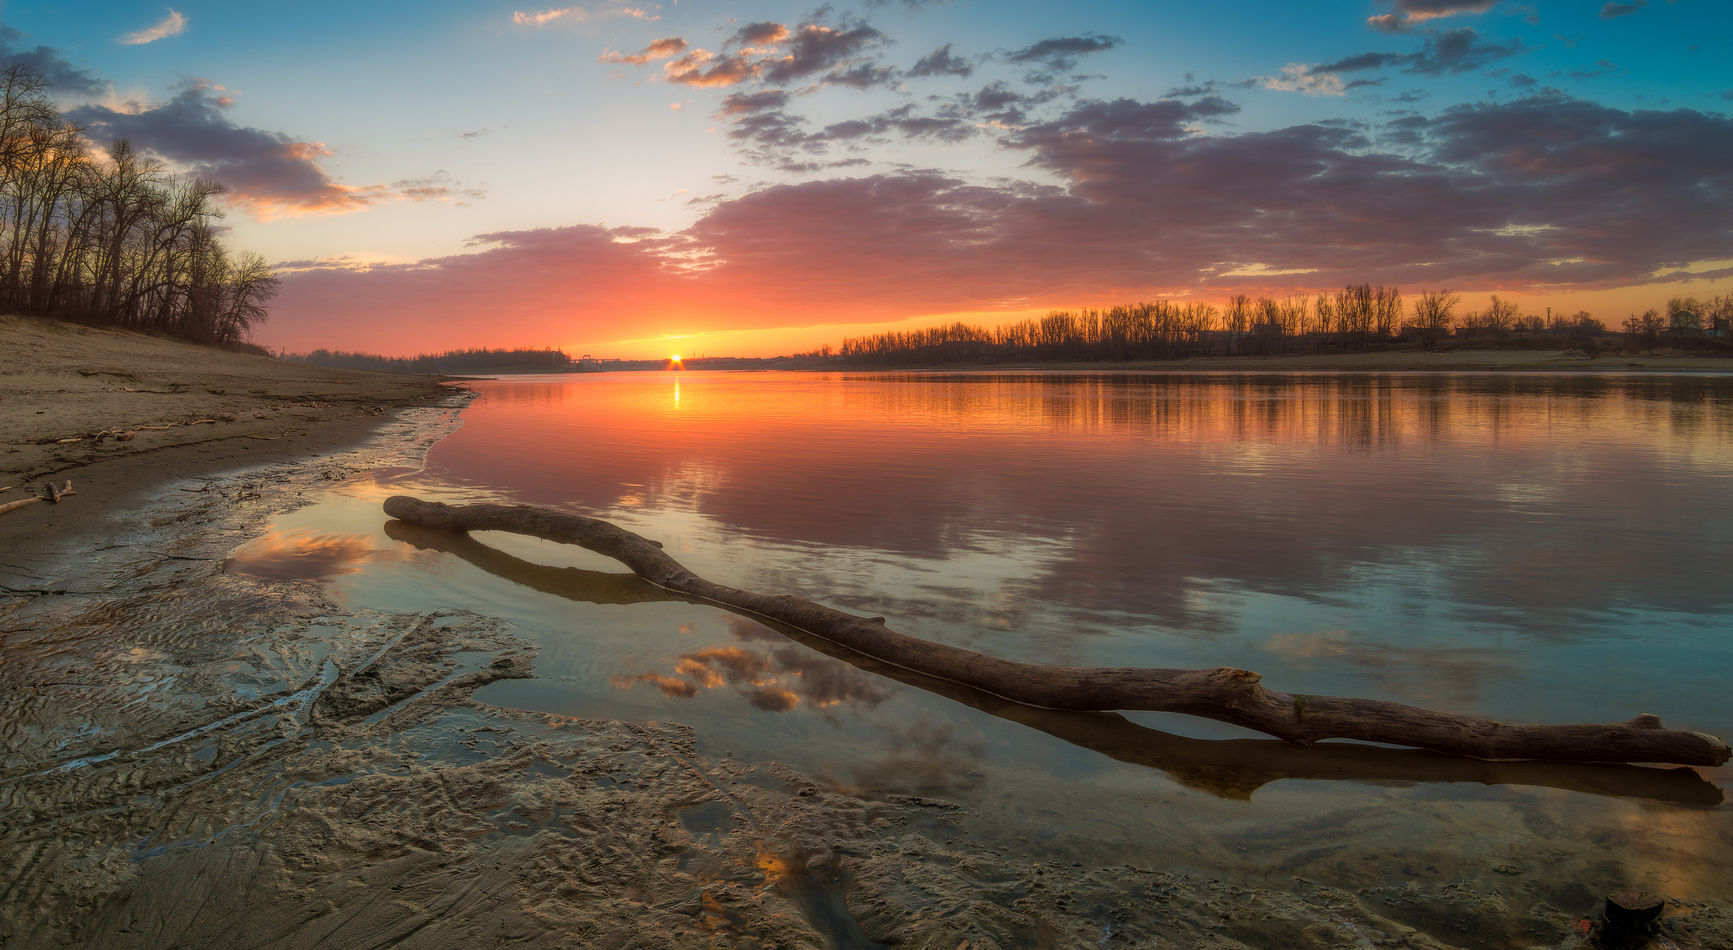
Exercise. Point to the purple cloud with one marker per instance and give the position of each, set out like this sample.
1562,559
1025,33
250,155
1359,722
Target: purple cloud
1544,191
1613,11
940,62
268,173
63,78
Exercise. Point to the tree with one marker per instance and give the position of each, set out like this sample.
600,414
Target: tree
1645,329
1433,315
112,236
1718,313
1500,317
1585,326
1684,313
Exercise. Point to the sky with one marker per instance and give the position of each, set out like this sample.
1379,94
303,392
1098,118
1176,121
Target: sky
630,178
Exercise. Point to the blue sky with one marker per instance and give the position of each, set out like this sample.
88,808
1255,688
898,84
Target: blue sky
398,158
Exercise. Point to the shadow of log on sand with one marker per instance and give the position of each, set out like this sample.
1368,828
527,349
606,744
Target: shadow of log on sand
1230,768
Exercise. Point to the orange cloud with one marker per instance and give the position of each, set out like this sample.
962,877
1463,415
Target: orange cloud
670,687
301,555
658,49
696,69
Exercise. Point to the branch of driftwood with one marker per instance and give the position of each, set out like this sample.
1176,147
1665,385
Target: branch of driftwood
50,494
1227,768
1224,694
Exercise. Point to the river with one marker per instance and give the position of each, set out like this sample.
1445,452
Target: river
1549,548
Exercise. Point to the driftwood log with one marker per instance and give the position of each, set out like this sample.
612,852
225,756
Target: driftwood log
1224,694
1227,768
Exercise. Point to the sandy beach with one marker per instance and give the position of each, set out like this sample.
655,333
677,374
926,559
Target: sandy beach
170,410
196,757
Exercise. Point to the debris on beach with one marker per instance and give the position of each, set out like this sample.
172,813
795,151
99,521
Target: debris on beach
50,494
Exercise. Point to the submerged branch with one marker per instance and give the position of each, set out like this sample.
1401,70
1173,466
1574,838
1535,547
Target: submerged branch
1224,694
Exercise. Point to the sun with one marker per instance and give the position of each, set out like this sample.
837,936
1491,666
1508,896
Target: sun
676,357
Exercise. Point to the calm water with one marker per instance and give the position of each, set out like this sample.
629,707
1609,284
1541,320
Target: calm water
1541,548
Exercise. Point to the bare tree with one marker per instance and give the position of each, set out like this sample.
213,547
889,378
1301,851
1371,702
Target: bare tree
1646,329
111,236
1434,315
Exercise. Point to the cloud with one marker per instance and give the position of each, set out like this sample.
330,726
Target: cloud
1444,51
862,76
439,186
1296,77
773,681
1409,12
743,103
761,124
1363,61
903,120
63,77
172,25
1459,51
1613,11
703,68
759,121
1543,191
774,54
1061,53
268,173
814,49
1432,9
830,55
658,49
940,62
579,15
1601,68
758,34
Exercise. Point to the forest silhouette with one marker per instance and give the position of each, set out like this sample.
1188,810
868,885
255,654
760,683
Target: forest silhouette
113,238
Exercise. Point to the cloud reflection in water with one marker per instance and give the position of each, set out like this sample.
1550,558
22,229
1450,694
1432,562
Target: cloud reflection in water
291,555
772,680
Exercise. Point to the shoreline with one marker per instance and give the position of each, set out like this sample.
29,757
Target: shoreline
192,412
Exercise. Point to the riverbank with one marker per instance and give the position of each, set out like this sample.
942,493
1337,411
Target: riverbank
120,414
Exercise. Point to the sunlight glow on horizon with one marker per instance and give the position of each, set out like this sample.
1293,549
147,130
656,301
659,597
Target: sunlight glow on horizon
729,182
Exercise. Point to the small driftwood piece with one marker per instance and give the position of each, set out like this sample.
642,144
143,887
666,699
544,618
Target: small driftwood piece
20,503
1224,694
52,494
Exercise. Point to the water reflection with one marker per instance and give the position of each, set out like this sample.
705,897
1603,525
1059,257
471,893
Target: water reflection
1447,676
778,678
280,555
771,680
1494,492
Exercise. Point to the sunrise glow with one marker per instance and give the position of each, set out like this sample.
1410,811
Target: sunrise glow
789,178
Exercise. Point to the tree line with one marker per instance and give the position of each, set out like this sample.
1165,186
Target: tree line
111,237
1357,317
552,361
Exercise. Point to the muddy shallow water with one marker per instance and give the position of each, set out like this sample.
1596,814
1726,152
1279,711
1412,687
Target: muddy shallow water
361,730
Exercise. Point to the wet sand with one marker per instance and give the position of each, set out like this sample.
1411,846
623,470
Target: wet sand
196,758
191,410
